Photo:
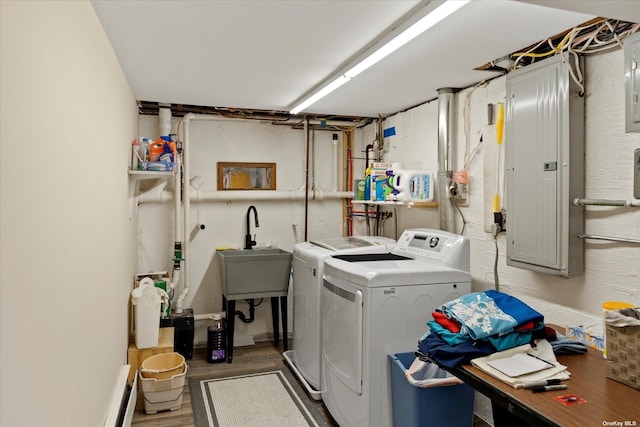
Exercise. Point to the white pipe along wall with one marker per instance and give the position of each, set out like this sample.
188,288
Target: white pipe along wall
210,139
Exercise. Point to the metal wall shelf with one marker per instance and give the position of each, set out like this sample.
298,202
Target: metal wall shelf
415,204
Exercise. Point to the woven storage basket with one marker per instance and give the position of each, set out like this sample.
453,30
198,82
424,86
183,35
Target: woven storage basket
623,354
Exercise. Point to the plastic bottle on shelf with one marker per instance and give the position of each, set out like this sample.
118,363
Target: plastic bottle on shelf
367,184
216,340
155,150
135,154
144,149
167,154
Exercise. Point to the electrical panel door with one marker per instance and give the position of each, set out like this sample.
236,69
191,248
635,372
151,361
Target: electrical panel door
632,82
544,144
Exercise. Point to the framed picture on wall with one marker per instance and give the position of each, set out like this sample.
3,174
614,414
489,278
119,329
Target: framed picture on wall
246,176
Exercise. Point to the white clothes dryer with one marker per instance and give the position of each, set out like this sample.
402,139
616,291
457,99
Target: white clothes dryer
378,304
305,356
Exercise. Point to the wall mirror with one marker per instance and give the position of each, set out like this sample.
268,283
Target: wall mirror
246,176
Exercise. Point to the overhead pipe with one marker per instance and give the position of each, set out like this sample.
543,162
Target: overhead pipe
605,202
164,116
198,196
445,156
164,128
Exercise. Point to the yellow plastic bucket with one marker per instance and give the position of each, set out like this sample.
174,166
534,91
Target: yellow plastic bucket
615,305
162,366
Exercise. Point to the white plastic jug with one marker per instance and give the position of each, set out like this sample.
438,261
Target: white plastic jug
146,298
413,185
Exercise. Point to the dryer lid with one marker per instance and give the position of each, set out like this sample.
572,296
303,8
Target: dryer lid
341,243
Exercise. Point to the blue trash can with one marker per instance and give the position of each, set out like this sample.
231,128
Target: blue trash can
436,406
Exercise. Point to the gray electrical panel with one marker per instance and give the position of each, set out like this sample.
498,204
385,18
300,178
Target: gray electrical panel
632,82
544,145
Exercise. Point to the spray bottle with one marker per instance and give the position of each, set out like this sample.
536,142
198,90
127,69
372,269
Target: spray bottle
135,154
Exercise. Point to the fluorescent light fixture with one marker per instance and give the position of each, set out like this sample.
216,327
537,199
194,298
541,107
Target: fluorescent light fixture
321,93
428,21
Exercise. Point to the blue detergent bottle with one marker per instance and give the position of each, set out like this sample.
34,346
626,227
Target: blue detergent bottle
367,184
167,151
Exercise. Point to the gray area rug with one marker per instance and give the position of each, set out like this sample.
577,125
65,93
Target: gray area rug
270,398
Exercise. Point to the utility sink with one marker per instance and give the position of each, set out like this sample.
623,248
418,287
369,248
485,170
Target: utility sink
255,273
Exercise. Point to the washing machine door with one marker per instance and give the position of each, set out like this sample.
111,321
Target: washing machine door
342,330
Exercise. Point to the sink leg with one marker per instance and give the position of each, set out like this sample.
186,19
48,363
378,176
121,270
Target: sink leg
274,318
231,310
283,311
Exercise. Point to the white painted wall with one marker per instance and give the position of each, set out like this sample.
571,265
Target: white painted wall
67,116
68,247
281,222
611,269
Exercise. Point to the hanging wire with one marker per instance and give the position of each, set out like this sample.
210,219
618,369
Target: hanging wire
595,37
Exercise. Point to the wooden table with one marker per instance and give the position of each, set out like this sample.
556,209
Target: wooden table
608,402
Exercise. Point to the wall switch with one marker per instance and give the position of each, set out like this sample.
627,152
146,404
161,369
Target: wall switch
636,174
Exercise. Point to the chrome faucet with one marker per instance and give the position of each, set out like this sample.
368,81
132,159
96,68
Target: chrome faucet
248,242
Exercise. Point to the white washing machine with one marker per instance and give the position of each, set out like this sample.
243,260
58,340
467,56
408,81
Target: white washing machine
378,304
305,356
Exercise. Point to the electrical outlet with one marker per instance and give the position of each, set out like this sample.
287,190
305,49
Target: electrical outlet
636,174
461,194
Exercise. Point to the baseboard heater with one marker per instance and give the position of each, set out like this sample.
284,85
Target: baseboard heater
123,401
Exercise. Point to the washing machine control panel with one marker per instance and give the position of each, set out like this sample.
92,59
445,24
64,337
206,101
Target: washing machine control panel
426,244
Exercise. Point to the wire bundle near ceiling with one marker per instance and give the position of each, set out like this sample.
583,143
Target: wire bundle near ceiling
595,37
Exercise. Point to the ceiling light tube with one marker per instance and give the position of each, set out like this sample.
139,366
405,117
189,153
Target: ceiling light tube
321,93
428,21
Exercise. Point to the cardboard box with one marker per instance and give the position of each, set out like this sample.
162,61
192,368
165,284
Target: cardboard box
623,354
136,356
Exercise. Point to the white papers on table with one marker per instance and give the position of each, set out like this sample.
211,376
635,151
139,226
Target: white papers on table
521,368
519,364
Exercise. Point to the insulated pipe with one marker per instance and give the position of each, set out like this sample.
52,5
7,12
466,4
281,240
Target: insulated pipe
226,196
186,211
177,245
445,209
164,114
164,128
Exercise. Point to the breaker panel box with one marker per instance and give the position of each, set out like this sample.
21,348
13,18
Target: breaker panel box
544,145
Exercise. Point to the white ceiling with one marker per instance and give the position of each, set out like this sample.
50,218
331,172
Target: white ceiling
264,54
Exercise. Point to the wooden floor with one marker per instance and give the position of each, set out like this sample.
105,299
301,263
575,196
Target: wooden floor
246,360
262,355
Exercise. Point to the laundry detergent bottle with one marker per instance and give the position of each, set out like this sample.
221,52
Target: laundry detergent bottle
216,340
367,185
414,185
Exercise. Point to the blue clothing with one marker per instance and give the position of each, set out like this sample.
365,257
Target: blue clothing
449,356
483,314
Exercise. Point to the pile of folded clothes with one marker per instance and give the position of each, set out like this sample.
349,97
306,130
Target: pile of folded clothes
479,324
